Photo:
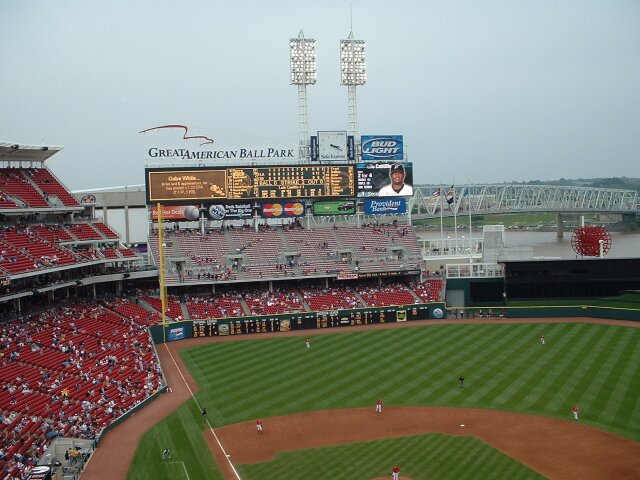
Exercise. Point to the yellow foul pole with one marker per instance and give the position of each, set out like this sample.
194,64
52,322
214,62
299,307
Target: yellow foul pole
163,288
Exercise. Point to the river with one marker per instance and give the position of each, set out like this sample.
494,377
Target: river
546,245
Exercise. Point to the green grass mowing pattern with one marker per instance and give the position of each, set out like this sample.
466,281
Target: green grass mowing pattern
505,366
182,433
420,457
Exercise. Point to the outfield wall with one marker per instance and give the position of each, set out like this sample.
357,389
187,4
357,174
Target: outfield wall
296,321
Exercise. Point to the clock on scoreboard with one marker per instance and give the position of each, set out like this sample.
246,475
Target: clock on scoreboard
333,146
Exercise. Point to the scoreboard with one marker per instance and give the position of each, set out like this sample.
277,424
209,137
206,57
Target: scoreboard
249,183
303,321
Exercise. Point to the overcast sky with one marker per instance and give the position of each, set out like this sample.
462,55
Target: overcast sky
483,91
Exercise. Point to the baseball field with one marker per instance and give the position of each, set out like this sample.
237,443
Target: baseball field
317,404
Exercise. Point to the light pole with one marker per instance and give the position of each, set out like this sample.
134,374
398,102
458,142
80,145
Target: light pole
303,72
353,74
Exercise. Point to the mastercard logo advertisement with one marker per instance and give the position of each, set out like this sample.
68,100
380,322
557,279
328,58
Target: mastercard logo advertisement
278,210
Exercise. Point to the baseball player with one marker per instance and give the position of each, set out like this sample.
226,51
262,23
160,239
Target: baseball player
259,426
575,412
395,473
542,339
166,453
379,406
204,414
307,343
461,380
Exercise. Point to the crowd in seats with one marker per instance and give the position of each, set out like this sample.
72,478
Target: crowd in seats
49,185
330,298
23,250
173,306
15,184
52,233
431,290
134,312
385,295
6,201
270,303
68,371
232,303
232,253
215,305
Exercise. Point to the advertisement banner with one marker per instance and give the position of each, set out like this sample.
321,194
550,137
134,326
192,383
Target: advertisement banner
175,333
281,209
313,145
382,147
385,179
351,148
385,206
172,213
231,211
334,208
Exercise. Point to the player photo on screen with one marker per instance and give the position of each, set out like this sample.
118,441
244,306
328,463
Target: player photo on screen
393,179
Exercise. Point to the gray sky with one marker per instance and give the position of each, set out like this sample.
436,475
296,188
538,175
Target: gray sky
483,91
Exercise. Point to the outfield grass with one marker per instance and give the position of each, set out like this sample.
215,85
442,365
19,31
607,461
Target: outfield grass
421,457
505,368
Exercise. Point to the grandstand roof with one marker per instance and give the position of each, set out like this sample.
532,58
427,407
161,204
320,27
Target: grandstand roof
16,152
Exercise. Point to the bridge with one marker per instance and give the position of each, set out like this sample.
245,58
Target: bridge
511,198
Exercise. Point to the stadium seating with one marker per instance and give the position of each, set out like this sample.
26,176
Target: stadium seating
71,371
16,184
105,230
390,294
320,299
83,231
50,186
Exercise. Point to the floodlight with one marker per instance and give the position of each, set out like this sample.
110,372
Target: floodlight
303,60
303,72
353,73
352,62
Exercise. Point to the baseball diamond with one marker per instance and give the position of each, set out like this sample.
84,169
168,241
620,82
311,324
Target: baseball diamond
319,422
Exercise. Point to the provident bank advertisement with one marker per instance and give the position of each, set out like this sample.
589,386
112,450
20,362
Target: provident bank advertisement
385,206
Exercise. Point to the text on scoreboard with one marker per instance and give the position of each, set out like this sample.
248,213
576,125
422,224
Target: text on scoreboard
233,183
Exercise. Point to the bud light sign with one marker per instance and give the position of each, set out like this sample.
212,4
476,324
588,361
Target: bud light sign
385,206
382,147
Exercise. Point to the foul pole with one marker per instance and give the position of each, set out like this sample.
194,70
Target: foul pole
163,288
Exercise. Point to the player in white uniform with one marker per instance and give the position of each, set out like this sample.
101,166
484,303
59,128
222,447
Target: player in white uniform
397,187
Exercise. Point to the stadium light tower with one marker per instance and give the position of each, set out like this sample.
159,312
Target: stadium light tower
303,73
353,74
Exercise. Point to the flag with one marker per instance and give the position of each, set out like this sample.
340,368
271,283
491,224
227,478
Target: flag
436,193
450,194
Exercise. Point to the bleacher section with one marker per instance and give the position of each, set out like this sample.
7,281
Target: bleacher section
276,252
70,371
50,186
390,294
289,299
15,184
320,299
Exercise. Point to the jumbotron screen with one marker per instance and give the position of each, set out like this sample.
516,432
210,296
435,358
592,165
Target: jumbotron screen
251,183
